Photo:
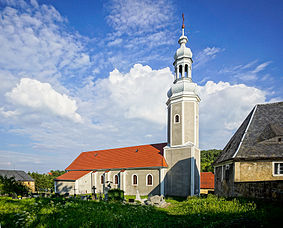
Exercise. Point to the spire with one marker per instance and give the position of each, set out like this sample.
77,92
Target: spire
183,39
183,25
183,57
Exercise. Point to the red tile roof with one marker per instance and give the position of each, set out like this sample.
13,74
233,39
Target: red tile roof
207,180
121,158
72,175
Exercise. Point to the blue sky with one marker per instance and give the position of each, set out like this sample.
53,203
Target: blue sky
87,75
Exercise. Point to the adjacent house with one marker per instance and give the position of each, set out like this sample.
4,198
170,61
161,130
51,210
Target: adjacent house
20,176
206,182
251,164
171,168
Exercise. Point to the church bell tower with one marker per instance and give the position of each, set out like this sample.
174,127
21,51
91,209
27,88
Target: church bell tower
182,151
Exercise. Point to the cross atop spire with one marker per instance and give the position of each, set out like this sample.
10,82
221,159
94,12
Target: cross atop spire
183,25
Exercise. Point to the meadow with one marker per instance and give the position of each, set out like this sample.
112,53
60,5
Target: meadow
193,212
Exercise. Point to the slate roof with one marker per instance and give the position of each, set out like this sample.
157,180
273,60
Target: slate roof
206,180
19,175
145,156
72,175
264,122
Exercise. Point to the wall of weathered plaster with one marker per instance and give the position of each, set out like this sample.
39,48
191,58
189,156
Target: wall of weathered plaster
63,187
125,181
142,188
189,122
84,184
197,170
224,180
177,179
176,109
96,181
29,184
255,171
248,179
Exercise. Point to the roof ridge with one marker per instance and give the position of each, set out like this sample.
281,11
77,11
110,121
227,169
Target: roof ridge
116,148
277,102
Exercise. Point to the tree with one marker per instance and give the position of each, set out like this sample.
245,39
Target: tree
207,157
45,182
10,186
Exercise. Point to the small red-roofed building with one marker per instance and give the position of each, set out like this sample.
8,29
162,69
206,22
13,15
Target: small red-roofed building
206,182
74,182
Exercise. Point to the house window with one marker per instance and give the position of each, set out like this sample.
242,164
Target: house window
102,179
149,180
177,118
277,168
279,139
116,179
135,179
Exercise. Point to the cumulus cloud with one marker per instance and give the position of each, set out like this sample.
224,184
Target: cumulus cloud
138,93
122,109
141,93
222,110
41,96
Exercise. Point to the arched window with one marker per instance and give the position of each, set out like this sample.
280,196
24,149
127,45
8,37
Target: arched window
102,179
149,179
180,71
177,118
186,70
135,179
116,179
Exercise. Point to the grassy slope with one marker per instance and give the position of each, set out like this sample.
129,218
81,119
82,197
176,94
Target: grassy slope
195,212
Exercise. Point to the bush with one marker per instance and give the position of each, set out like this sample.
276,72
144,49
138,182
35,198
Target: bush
115,195
10,186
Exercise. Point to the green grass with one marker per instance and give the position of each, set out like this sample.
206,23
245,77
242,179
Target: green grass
194,212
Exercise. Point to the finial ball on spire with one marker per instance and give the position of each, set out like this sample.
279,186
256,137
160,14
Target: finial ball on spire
183,25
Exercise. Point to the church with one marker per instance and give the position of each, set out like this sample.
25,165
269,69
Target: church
171,168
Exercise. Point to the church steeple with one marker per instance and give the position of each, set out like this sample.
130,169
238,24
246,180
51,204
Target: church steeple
182,153
183,58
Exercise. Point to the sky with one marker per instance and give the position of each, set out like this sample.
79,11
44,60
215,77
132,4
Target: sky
88,75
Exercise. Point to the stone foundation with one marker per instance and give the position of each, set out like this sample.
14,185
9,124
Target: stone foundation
260,189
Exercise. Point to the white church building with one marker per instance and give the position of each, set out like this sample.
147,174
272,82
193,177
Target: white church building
171,168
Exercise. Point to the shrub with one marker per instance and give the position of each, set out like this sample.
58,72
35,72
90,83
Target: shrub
115,195
10,186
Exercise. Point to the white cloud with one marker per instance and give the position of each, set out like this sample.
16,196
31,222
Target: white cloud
8,113
138,15
248,72
138,92
261,67
119,110
140,23
41,96
141,93
115,42
205,55
223,108
33,40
